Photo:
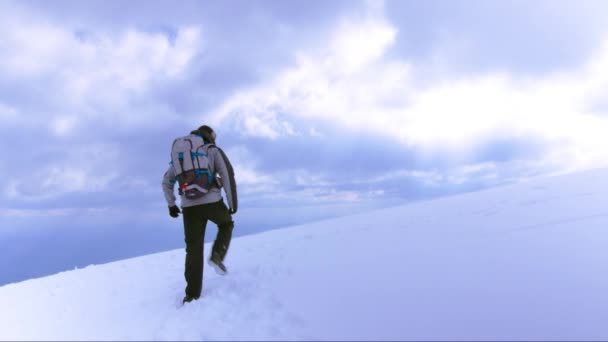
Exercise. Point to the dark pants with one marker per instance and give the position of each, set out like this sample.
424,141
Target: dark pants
195,222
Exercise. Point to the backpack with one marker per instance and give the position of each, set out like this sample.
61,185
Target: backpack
189,157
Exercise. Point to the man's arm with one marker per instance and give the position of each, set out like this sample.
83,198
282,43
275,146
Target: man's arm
168,186
224,168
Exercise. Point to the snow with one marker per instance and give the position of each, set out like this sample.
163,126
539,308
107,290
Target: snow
520,262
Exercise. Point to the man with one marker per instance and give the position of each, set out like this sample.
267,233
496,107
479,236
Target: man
198,211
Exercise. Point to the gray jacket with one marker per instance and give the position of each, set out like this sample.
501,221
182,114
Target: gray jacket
218,164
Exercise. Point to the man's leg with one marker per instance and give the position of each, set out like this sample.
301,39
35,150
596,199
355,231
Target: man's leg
219,214
194,232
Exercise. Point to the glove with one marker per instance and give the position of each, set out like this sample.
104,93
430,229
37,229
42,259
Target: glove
232,211
174,211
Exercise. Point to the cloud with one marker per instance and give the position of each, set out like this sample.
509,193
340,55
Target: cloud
8,114
35,49
78,169
518,36
330,82
60,126
353,82
339,114
91,75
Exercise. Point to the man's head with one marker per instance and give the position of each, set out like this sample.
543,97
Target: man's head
207,133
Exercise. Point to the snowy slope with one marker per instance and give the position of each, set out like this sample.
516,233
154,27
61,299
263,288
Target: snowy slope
527,261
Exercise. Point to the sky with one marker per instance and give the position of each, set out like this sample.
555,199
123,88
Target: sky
324,108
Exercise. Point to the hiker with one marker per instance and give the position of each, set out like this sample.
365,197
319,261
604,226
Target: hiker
201,169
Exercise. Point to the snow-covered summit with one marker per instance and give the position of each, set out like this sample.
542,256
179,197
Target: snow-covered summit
521,262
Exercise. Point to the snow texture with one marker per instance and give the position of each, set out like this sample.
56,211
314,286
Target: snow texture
521,262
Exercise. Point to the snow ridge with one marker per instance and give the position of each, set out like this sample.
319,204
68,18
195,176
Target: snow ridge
520,262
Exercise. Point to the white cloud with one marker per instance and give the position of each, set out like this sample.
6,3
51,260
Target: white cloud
353,82
61,126
355,45
298,185
7,113
249,178
92,74
483,173
34,48
83,169
336,82
35,213
100,213
316,195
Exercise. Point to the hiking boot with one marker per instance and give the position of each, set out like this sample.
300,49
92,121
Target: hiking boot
216,262
188,299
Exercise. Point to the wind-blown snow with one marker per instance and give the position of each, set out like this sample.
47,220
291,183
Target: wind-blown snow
522,262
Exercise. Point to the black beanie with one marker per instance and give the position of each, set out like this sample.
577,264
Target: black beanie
207,133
